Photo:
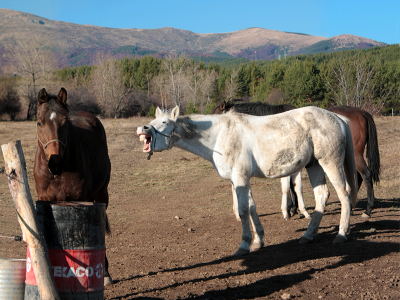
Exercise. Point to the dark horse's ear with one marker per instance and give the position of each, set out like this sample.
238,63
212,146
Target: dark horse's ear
42,96
62,96
222,106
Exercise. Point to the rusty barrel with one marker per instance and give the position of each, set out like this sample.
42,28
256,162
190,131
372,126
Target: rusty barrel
12,278
75,237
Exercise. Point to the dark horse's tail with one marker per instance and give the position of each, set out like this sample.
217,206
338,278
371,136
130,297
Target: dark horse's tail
374,163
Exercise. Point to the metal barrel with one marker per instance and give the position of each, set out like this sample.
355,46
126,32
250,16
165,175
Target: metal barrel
75,237
12,279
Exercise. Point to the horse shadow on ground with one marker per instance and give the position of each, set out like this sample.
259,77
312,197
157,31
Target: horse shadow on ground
333,208
380,203
357,249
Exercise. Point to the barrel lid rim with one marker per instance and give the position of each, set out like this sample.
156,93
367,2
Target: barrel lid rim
13,259
69,203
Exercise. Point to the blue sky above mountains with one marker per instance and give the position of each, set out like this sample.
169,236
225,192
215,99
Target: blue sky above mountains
377,20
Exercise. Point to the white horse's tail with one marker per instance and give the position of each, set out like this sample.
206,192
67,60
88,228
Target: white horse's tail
350,164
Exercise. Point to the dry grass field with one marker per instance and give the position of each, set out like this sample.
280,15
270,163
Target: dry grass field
154,255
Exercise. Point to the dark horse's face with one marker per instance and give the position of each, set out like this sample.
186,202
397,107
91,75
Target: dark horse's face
52,128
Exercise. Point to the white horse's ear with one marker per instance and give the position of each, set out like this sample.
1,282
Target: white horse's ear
175,113
158,112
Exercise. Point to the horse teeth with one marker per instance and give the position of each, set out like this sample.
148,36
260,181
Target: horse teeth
141,137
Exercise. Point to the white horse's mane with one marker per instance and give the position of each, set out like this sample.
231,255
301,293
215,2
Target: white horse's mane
165,111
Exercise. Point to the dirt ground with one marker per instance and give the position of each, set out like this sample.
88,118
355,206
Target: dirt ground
174,232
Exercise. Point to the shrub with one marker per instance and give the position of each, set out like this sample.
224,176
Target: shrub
210,107
152,111
79,99
191,109
9,99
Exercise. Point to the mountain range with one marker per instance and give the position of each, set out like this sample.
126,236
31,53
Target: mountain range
79,43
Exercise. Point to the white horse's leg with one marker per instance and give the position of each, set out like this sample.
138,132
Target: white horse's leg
339,182
285,182
242,193
258,242
235,203
321,193
298,187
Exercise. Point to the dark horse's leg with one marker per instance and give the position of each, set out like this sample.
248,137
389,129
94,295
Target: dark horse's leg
102,197
359,182
366,175
107,278
294,205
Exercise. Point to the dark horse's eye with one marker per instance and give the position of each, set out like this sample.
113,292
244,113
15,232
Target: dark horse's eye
39,124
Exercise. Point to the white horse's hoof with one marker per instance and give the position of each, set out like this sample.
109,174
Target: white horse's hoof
364,215
286,216
108,280
339,239
256,246
242,252
304,240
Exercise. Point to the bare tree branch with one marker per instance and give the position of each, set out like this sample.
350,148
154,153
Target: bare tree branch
34,64
109,86
353,83
175,67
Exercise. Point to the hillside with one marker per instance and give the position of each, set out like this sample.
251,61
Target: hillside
251,43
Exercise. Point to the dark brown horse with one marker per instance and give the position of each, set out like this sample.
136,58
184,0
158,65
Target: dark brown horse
363,130
71,162
364,134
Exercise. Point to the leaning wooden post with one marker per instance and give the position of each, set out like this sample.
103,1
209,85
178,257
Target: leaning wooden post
15,169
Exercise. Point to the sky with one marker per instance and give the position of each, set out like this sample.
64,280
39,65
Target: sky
377,20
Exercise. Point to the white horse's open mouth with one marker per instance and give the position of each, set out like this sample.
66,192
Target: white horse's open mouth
146,138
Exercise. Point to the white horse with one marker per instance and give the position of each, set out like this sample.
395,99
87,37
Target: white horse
242,146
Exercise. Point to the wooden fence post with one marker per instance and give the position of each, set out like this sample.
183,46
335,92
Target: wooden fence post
15,169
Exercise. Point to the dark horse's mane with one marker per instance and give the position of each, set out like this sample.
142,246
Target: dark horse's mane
57,106
257,108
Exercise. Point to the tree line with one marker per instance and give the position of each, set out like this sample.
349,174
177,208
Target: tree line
368,79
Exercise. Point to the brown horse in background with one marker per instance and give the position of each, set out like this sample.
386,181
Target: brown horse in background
364,134
363,130
71,162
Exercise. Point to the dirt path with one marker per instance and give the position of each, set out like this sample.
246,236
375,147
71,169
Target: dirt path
174,233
